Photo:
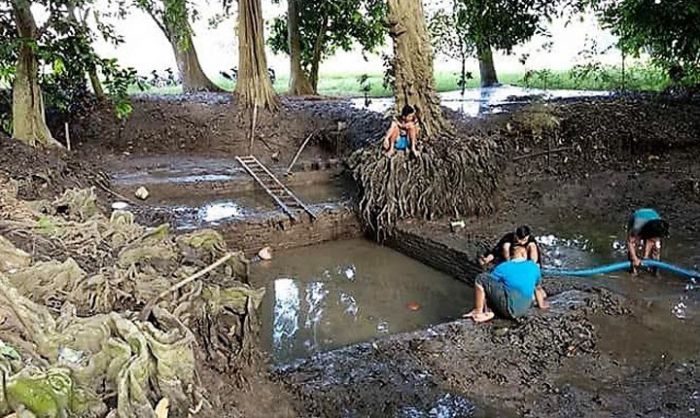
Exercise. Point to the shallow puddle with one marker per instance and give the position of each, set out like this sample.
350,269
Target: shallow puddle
483,101
181,170
672,311
210,210
331,295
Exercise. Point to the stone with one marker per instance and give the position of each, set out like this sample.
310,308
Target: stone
265,253
142,193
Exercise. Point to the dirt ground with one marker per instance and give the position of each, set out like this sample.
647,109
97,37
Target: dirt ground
607,157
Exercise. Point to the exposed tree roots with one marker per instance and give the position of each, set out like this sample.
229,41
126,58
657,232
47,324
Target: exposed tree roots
451,177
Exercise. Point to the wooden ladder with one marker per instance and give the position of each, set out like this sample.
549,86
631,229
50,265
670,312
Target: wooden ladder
284,197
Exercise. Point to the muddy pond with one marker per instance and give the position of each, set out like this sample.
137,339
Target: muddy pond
335,294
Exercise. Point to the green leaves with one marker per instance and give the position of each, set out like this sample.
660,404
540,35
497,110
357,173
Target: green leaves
668,30
462,24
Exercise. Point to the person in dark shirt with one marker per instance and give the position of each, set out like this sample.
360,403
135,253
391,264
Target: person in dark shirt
508,290
522,237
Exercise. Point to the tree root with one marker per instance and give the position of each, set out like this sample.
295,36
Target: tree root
451,177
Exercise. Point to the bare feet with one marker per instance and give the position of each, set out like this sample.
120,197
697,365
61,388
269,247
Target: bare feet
483,317
471,313
390,153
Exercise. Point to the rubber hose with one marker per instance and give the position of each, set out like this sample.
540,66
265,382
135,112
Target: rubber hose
624,265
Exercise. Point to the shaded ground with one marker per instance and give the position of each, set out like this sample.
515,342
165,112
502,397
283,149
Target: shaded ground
210,125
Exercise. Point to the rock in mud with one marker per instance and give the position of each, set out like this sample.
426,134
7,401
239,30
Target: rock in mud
142,193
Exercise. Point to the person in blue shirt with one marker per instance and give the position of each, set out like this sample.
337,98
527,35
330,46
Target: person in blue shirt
645,230
508,290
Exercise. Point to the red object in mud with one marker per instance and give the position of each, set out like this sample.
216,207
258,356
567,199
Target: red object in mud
414,306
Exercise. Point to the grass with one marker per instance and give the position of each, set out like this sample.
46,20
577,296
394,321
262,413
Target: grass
609,78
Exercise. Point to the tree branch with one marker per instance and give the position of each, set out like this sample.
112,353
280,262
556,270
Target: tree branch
160,24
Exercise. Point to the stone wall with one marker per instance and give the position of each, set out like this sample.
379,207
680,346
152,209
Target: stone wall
438,249
280,232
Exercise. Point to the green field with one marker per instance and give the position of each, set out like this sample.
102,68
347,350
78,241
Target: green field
636,79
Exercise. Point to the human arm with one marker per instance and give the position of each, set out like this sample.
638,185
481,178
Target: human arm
505,251
533,253
632,251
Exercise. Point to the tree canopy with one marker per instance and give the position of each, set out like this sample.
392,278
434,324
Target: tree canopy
461,27
328,26
668,30
57,56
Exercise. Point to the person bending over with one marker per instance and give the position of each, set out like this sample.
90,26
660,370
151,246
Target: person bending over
522,237
403,133
645,230
508,290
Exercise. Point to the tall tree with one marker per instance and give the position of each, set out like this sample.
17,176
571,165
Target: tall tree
312,31
299,83
48,63
450,42
173,18
28,117
80,23
253,86
496,24
413,63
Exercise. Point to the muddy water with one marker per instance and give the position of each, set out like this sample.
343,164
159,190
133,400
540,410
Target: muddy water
327,296
210,210
667,322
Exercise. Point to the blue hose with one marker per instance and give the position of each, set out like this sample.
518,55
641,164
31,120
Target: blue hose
624,265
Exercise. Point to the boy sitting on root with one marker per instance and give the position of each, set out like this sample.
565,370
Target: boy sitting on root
508,290
403,133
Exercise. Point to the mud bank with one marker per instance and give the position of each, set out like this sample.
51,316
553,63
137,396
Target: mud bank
210,124
460,369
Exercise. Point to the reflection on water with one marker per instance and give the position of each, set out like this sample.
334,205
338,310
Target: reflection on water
335,294
203,210
217,211
482,101
581,244
286,316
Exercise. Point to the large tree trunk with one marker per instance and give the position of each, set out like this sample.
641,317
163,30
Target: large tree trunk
179,34
299,83
28,119
413,65
82,27
318,50
253,87
191,74
487,70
